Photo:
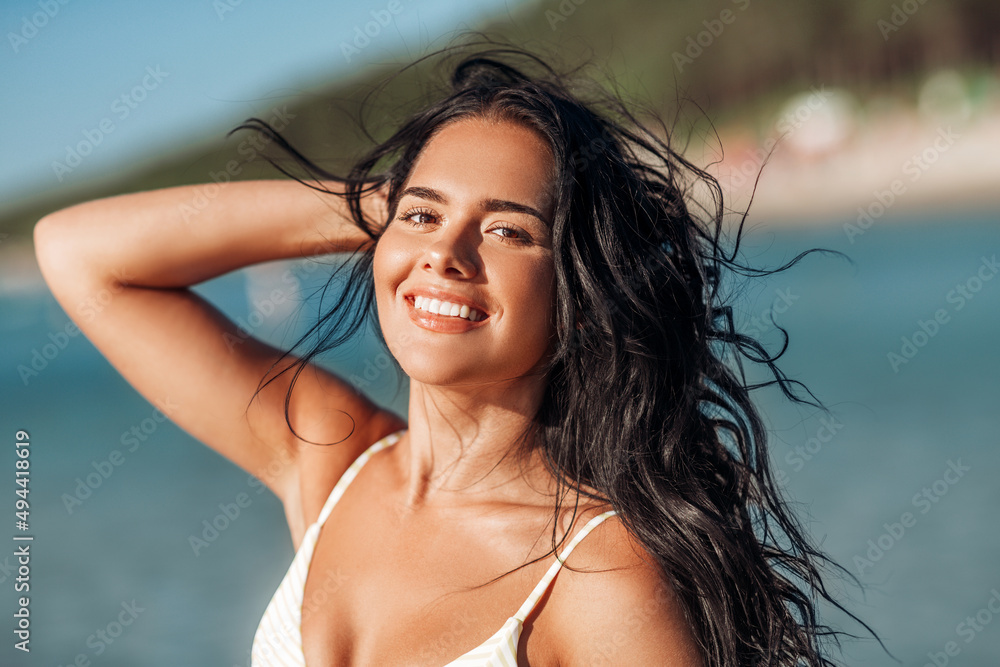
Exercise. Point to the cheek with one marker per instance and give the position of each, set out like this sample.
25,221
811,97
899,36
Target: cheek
384,281
533,292
388,265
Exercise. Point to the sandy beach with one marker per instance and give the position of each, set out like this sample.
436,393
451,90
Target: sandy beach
863,173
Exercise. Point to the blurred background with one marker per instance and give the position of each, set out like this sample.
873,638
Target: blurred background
874,127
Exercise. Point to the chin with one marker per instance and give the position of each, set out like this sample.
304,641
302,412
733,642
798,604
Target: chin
429,370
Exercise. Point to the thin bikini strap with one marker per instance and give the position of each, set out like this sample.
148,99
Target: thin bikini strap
543,585
352,472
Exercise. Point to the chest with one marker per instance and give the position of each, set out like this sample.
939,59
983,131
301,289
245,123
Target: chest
386,587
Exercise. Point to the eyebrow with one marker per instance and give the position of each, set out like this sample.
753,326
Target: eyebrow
489,205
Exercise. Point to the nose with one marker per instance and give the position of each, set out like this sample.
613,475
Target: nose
452,252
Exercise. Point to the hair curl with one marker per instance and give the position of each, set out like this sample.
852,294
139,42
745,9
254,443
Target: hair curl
641,404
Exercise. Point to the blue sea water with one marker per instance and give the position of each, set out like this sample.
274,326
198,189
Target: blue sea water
898,483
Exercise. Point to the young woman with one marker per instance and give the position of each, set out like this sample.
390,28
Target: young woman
581,478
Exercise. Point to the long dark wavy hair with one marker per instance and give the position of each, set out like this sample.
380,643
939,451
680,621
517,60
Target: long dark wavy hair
646,400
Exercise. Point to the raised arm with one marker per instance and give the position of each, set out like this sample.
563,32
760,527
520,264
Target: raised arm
121,268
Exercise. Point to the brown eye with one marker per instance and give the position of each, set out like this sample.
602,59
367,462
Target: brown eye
418,217
512,235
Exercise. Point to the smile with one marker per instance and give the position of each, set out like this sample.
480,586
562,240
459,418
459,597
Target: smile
446,308
443,316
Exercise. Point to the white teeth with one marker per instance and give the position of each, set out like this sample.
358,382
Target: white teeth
446,308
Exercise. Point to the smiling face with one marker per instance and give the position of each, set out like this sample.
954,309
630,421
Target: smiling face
471,229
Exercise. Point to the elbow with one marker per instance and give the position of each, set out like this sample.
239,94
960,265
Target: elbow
53,251
45,238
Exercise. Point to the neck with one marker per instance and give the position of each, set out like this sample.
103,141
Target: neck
460,440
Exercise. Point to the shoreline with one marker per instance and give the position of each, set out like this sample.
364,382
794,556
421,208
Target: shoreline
884,170
889,168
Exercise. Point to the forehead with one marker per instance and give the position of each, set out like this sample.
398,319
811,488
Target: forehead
480,158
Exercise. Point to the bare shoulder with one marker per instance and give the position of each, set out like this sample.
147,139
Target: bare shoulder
610,605
320,466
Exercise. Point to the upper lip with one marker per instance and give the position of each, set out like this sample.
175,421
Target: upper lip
444,295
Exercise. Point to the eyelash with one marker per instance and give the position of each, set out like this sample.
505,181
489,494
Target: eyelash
408,215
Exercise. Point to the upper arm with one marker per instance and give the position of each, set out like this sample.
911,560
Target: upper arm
619,607
187,358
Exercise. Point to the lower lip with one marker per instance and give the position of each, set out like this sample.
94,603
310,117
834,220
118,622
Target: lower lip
440,323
